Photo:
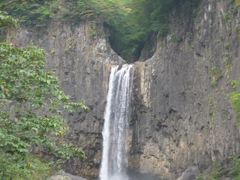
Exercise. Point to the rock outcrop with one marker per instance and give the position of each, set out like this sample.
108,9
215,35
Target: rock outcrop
183,115
65,176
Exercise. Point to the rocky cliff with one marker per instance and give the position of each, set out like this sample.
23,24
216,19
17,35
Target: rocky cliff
182,116
81,58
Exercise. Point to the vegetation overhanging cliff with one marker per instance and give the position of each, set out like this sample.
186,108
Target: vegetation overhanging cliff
183,116
130,21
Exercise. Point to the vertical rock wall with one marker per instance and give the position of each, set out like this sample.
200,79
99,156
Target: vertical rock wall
183,116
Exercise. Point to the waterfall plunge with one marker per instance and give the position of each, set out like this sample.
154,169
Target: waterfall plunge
114,157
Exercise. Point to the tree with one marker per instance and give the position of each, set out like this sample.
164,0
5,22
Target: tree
130,21
31,113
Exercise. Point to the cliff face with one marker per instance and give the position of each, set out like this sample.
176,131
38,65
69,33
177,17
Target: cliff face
81,58
182,116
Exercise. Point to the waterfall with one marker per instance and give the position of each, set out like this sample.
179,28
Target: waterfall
114,156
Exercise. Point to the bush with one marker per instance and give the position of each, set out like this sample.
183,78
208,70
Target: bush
31,114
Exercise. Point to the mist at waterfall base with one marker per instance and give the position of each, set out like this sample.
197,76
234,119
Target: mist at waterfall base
115,131
134,175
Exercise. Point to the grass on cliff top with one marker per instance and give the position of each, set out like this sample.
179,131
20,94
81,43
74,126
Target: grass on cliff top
130,21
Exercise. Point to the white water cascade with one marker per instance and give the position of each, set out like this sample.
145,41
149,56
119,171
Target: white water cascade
115,131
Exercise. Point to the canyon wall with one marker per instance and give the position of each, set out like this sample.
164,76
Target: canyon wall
182,116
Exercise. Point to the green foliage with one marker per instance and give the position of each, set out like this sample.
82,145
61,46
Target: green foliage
31,113
7,21
17,167
77,10
216,173
135,20
235,84
235,100
131,21
29,12
216,75
231,170
235,170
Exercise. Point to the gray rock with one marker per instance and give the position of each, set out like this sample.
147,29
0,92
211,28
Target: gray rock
190,173
65,176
